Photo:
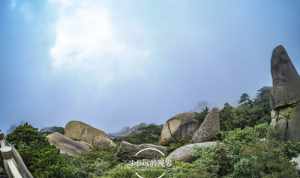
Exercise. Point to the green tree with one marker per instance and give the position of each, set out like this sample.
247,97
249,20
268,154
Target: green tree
42,159
245,98
227,117
145,134
249,112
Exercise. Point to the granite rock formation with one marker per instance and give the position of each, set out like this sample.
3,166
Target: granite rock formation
179,128
185,153
80,131
67,145
285,95
209,128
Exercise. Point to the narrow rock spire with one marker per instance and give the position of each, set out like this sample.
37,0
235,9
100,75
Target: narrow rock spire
286,81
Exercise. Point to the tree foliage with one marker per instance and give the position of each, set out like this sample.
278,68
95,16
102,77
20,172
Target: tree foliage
146,134
249,112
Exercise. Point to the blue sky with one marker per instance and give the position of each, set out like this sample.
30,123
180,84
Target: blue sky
118,63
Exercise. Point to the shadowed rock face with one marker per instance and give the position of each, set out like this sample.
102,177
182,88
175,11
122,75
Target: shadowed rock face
285,96
179,128
67,145
286,81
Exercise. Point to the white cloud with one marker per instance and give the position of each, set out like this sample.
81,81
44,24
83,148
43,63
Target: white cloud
86,39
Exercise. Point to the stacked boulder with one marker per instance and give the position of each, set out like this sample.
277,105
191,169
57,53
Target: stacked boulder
179,128
80,138
67,145
285,95
188,130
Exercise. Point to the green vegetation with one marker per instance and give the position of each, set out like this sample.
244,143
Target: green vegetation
202,114
44,160
249,112
247,148
251,152
145,134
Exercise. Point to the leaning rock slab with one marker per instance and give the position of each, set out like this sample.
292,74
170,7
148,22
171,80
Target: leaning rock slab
285,96
185,153
128,151
83,132
179,128
67,145
209,128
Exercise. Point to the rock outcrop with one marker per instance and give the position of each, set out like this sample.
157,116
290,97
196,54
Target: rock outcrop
209,128
179,128
83,132
185,153
285,95
128,151
286,81
67,145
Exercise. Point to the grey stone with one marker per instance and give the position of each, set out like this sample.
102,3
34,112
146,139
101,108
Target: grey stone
67,145
286,81
185,153
179,128
209,128
285,96
128,151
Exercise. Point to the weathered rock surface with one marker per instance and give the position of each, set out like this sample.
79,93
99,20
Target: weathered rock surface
209,128
179,128
67,145
285,96
128,151
286,81
185,153
83,132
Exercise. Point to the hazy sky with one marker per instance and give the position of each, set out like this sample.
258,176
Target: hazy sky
117,63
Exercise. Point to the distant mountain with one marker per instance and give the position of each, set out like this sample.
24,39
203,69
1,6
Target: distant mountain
128,130
50,130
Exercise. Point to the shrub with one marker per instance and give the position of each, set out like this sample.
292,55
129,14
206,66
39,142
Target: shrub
248,153
263,159
94,163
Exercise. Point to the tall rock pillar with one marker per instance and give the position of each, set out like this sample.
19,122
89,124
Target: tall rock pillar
285,95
